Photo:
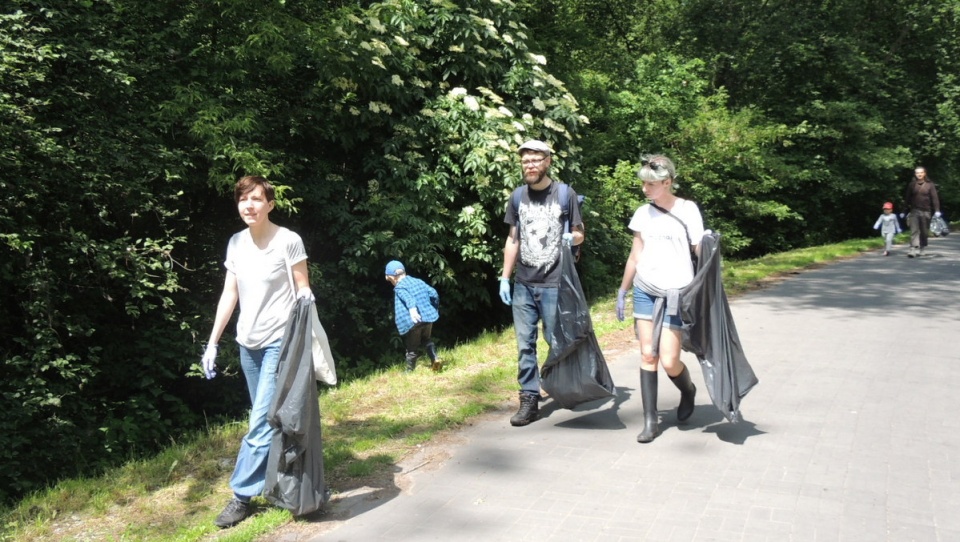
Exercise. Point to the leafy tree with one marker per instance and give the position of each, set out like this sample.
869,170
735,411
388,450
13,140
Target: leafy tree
389,128
726,160
87,249
853,80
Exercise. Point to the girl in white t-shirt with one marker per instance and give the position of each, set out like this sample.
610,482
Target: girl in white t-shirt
664,233
260,263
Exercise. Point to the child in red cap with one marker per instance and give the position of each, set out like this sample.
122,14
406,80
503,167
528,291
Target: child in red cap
888,226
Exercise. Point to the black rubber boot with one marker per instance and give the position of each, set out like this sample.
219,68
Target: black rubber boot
411,360
529,410
687,393
648,393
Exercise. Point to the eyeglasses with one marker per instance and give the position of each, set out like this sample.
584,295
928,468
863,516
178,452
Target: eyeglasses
532,162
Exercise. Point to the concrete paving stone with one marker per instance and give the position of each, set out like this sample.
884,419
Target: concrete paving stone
767,530
947,535
913,533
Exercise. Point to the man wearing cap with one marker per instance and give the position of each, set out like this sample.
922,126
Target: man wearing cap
538,226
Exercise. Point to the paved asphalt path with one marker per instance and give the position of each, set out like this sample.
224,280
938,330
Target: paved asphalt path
852,434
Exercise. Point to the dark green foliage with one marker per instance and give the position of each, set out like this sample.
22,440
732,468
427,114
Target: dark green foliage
390,129
87,254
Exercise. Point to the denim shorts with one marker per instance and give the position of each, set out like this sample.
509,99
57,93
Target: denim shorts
643,309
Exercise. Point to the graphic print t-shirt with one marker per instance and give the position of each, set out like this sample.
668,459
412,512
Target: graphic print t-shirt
540,225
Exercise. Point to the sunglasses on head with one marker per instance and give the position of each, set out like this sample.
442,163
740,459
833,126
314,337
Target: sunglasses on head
656,166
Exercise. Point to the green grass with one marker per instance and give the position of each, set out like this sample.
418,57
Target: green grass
369,425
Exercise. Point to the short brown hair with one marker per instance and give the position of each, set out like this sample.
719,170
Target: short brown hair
250,183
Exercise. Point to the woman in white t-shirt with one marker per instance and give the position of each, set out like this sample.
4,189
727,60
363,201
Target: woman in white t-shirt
266,274
665,231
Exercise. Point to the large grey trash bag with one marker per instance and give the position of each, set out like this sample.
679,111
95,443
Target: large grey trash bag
939,227
295,478
712,336
575,371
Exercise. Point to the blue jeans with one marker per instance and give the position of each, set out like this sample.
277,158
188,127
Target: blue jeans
530,305
260,370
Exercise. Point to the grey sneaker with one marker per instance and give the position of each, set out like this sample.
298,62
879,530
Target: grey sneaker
529,410
235,512
922,252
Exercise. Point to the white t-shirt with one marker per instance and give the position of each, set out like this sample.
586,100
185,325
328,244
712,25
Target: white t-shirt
263,281
665,259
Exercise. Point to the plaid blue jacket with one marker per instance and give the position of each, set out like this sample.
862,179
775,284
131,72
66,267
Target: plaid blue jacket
413,292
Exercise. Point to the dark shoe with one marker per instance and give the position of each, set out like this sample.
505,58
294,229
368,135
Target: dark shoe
687,393
235,512
648,394
529,410
411,363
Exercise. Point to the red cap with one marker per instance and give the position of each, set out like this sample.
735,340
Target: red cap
888,205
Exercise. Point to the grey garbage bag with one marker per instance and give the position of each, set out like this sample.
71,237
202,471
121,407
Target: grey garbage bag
295,479
710,333
575,371
939,227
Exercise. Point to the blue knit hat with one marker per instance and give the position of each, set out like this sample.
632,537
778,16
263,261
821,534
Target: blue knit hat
393,268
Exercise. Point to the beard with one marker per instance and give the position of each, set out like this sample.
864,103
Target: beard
534,178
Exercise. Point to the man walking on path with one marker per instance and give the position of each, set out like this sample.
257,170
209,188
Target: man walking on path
538,225
921,199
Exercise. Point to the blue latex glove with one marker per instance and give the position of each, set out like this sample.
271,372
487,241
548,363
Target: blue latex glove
209,361
937,214
415,315
306,293
505,291
621,303
567,239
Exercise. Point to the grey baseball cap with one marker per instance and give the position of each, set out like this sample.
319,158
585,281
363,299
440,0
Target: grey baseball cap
535,145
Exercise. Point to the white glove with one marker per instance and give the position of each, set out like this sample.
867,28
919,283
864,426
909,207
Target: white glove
567,239
209,361
306,293
708,232
937,214
901,215
415,315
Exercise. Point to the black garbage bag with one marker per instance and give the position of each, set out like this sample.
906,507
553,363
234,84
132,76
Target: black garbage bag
710,333
575,371
295,479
